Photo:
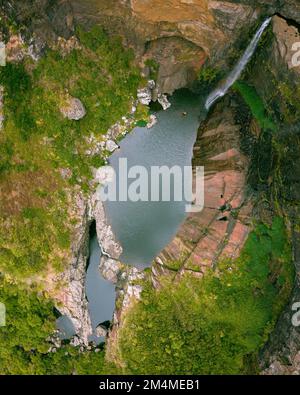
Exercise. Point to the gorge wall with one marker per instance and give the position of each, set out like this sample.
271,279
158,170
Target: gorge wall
181,36
277,81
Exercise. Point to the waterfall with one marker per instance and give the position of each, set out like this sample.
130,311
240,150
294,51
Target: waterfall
237,71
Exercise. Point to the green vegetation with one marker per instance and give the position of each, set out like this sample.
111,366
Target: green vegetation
208,76
38,143
154,68
37,146
23,344
255,104
141,123
281,93
214,325
193,326
29,239
100,74
290,101
236,51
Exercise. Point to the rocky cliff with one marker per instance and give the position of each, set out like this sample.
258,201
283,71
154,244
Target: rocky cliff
180,35
277,81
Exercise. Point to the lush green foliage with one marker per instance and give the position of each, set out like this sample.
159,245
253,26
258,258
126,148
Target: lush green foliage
207,77
290,101
28,241
100,74
255,103
38,142
141,123
23,344
207,74
211,325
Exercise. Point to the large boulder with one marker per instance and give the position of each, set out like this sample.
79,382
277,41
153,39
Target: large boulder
181,35
73,109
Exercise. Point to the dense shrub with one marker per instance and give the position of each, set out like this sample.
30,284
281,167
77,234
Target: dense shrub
215,324
23,341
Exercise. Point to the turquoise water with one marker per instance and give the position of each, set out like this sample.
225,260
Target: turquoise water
100,293
65,325
145,228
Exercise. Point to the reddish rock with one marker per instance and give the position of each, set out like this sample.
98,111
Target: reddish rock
221,228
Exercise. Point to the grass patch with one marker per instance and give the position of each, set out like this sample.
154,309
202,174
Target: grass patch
207,77
255,104
141,123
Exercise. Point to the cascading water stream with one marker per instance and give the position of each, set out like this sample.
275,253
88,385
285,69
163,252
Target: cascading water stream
238,69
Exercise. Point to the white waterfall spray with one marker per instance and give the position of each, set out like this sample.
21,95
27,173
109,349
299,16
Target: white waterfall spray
238,69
